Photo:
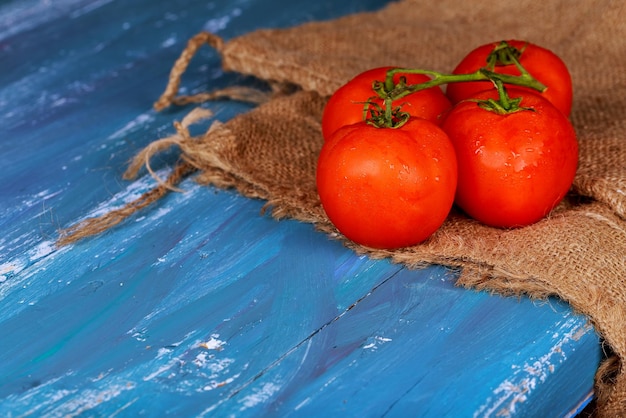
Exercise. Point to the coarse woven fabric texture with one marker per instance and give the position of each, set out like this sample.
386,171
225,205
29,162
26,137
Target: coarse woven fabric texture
578,253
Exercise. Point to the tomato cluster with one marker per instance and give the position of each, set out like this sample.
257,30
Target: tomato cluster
397,157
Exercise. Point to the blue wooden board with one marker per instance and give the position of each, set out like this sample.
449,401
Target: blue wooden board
201,306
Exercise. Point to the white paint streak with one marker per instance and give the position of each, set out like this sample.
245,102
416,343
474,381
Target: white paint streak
527,377
220,23
215,384
40,198
171,41
164,368
91,398
10,269
133,125
42,250
306,353
16,274
19,16
213,343
42,396
305,402
260,395
89,7
375,342
132,192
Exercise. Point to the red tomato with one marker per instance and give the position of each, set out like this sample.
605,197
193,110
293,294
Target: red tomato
514,168
541,63
387,188
345,106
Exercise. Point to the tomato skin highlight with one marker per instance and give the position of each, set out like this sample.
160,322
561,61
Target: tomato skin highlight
387,188
515,168
345,106
541,63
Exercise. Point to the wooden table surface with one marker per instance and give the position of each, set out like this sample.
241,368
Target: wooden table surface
200,305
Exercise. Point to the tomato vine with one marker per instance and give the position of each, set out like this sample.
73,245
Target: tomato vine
388,91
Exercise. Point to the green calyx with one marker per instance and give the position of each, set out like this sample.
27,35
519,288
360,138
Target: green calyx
503,54
388,91
504,104
387,116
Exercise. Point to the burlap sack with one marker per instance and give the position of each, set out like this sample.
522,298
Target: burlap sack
578,253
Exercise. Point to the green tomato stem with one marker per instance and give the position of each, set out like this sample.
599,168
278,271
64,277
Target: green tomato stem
388,112
438,79
389,91
505,104
504,54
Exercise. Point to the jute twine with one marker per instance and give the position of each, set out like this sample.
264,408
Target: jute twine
578,253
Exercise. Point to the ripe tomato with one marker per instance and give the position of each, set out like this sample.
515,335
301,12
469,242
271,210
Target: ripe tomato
514,168
384,187
541,63
345,106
